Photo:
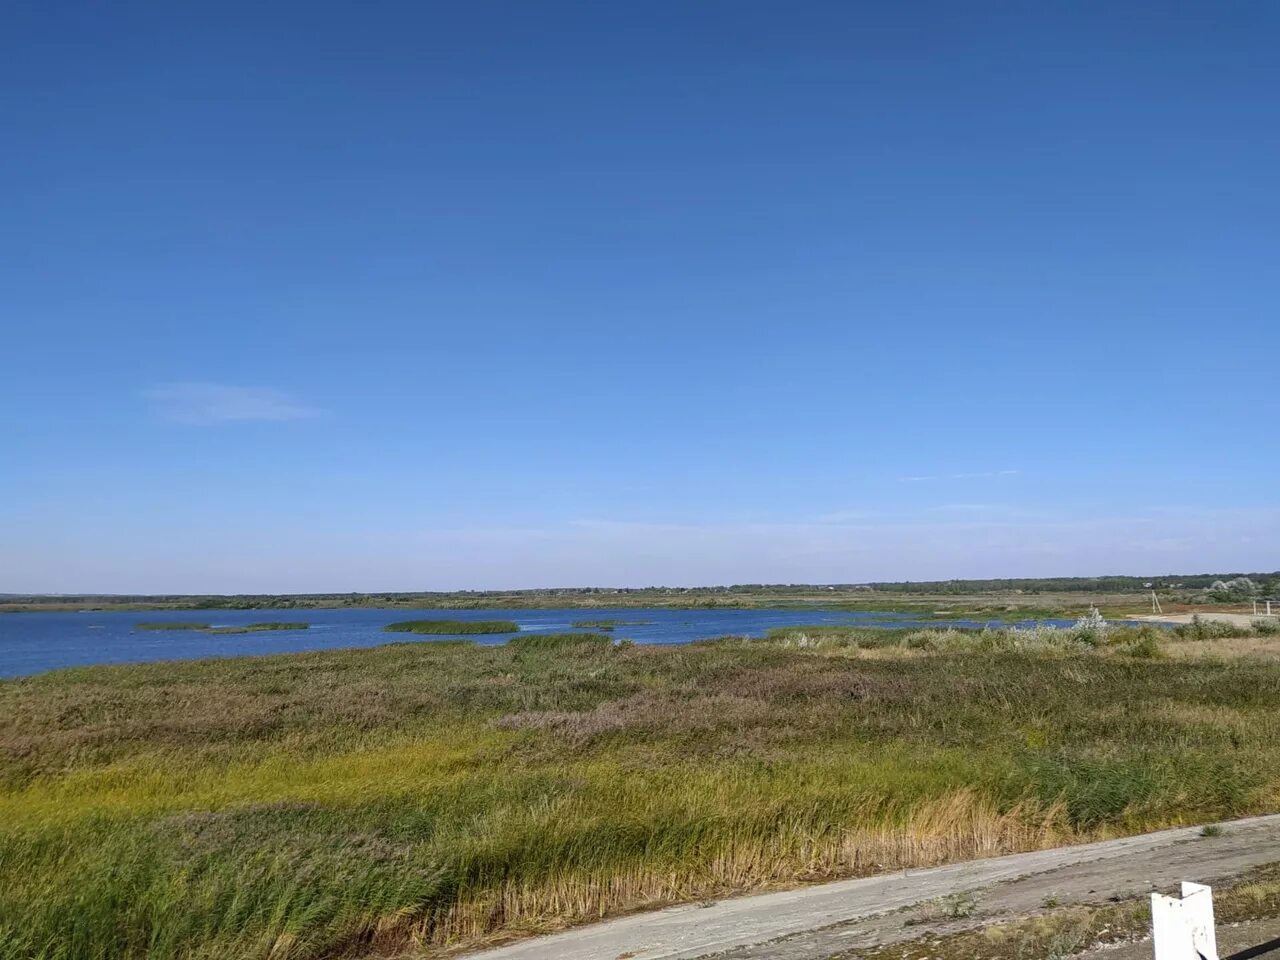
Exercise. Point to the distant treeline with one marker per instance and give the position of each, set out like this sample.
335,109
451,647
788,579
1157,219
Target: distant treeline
1199,581
733,595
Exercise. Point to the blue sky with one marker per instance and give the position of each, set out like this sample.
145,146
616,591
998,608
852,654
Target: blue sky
338,296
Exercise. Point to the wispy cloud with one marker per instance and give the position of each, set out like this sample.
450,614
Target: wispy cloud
211,403
961,476
983,473
847,516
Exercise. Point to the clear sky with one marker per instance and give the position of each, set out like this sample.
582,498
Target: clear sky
351,296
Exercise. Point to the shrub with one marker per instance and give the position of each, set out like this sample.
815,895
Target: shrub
1143,645
1091,628
1203,628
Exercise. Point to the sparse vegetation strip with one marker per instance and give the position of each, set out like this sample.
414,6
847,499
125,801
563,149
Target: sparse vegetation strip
230,628
607,625
453,627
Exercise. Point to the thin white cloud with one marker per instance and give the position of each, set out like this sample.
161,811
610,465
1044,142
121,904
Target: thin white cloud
960,476
212,403
983,473
847,516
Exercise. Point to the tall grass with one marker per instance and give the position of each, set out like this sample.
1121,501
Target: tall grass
562,642
1139,641
1207,628
423,796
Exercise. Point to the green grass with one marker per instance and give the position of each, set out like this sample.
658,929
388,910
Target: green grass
454,627
1204,628
414,797
563,642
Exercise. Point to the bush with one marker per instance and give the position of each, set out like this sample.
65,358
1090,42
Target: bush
1091,628
1143,645
1202,628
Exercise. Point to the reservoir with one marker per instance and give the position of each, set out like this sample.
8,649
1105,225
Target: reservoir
35,642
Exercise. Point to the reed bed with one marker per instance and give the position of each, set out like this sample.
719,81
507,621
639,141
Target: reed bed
453,627
230,628
418,797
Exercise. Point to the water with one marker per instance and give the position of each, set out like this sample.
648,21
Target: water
34,642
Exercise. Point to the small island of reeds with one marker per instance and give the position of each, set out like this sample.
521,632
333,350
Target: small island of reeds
230,628
607,624
259,627
453,627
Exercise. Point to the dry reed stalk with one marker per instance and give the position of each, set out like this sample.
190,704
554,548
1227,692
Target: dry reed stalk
960,826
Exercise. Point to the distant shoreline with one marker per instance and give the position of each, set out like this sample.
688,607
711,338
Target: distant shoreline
1012,589
1116,597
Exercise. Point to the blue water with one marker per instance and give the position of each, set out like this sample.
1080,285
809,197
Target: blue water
34,642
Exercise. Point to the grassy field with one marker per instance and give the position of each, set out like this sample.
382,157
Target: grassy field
419,796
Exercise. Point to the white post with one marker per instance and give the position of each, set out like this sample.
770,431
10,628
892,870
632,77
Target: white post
1183,929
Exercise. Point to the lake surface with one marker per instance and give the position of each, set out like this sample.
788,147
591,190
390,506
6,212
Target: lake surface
34,642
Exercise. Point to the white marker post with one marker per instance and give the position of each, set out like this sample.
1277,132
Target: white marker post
1183,929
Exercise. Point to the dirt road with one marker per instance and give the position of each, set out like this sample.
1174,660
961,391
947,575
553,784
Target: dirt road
816,922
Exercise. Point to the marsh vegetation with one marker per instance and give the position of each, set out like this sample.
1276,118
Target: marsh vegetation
260,627
208,628
453,627
424,795
987,599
